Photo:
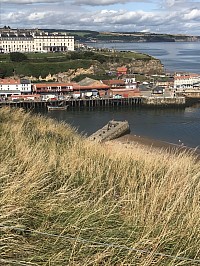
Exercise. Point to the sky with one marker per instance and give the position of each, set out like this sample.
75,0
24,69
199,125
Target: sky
157,16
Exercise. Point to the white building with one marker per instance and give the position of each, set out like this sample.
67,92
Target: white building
130,83
34,41
186,81
10,87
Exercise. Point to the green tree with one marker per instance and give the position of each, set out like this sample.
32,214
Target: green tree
18,57
2,72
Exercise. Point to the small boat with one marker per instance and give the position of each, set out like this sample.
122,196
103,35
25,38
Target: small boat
113,130
53,108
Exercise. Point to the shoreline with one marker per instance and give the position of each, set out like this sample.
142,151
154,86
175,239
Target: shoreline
158,144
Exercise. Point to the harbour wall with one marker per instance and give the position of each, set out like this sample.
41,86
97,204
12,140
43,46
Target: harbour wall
109,102
164,101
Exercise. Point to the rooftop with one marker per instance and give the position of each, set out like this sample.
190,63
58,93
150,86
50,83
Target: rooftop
10,81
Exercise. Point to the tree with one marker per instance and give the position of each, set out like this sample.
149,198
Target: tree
2,72
18,57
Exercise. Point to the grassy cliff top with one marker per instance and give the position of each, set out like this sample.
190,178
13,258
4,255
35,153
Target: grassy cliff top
41,64
67,195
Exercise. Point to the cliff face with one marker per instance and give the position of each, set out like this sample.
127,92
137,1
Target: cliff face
152,66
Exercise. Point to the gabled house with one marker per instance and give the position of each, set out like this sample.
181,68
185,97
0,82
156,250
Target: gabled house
121,71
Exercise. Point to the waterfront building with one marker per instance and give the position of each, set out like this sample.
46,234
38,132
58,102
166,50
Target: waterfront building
91,85
26,41
52,88
114,83
124,92
10,87
165,84
130,83
85,88
186,81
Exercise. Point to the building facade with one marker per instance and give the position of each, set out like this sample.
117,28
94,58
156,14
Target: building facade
26,41
184,81
10,87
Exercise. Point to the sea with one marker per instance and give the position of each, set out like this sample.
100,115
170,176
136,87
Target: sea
175,56
169,125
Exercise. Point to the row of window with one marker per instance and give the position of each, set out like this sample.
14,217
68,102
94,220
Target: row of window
23,89
34,39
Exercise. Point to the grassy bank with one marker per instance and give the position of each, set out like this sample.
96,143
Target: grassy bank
79,194
41,64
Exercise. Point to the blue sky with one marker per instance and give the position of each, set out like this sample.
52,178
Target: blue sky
159,16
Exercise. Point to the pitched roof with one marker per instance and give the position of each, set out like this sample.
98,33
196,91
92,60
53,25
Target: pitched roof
121,69
88,81
52,84
114,82
10,81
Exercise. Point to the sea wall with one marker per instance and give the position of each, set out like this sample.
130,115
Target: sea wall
164,101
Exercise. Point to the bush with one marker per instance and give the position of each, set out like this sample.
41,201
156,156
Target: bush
18,57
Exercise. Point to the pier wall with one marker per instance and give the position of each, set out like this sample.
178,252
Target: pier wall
109,102
164,101
77,103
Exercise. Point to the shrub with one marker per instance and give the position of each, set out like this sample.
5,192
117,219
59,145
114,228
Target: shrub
18,57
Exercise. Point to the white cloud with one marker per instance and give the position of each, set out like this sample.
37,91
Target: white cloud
30,1
61,14
36,16
193,15
105,2
180,4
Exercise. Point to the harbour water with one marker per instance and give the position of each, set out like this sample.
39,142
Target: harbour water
170,125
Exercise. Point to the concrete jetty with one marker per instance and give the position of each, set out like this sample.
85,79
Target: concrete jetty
112,130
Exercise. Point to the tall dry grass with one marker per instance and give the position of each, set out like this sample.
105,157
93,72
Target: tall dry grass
53,180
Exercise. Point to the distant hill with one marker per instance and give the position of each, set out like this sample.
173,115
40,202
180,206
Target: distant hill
91,36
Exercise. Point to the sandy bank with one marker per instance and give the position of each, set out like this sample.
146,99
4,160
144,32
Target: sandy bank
157,144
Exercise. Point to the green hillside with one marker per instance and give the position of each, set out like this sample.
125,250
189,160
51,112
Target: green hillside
41,64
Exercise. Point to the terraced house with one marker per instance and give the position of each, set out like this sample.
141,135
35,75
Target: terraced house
9,87
26,41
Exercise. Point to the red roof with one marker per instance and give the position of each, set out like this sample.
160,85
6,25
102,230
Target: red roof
186,76
123,90
122,69
91,87
10,81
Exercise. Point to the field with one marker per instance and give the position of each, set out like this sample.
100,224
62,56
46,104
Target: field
67,201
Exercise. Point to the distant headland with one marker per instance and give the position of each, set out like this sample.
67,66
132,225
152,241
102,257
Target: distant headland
96,36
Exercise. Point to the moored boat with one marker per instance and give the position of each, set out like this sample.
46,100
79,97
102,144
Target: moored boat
53,108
